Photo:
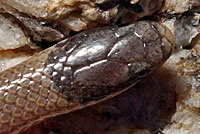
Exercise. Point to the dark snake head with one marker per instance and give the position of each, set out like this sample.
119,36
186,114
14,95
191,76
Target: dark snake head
103,60
143,46
136,50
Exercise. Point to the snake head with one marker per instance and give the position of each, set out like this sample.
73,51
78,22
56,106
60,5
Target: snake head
102,59
143,46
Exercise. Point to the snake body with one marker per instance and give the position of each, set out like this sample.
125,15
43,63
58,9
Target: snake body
80,71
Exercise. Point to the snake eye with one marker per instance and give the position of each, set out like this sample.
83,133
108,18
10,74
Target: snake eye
138,70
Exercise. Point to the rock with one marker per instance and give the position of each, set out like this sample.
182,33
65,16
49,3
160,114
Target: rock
11,34
186,29
186,117
180,6
168,101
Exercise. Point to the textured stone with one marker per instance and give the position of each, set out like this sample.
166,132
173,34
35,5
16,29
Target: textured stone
167,102
185,29
11,34
180,6
186,118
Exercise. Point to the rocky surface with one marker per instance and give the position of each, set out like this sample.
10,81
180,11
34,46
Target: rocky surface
11,34
12,57
62,18
186,118
168,101
180,6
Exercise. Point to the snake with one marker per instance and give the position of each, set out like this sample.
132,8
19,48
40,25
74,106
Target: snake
80,71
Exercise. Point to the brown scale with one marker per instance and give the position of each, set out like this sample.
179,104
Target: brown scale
83,70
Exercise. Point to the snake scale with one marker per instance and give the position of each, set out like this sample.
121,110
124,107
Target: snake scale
80,71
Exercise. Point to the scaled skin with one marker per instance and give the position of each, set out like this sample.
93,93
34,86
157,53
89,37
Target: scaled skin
80,71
